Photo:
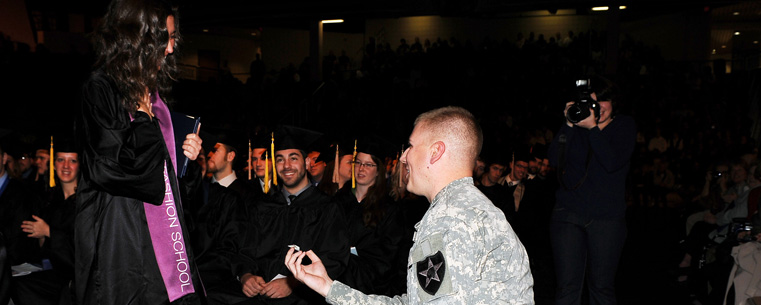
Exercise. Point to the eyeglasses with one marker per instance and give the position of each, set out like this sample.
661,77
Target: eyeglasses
360,164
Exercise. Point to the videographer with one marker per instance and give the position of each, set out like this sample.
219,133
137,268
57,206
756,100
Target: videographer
588,228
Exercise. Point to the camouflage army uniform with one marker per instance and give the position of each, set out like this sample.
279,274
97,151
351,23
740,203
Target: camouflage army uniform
465,252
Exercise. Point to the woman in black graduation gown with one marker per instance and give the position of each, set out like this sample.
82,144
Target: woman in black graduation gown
130,229
54,228
374,224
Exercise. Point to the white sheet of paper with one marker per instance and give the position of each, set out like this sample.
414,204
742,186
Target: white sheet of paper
24,269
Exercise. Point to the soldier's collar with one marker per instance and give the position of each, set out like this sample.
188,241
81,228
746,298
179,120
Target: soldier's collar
451,186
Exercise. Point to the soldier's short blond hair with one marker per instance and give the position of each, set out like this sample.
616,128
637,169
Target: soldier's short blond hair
457,127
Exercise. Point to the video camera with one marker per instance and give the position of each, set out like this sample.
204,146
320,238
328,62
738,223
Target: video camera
742,225
583,107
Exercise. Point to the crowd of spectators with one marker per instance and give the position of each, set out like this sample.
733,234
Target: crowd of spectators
691,116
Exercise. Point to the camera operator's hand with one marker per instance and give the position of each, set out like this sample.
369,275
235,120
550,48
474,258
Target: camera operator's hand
565,113
588,123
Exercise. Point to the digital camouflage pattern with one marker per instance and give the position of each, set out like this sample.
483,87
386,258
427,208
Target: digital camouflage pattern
484,261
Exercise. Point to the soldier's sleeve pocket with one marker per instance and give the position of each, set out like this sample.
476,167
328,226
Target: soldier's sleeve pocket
428,261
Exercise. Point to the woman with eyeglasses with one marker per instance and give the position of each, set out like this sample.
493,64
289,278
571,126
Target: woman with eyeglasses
375,228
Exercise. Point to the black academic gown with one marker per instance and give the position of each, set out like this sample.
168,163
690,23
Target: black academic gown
502,197
16,205
413,208
5,272
241,187
219,231
52,286
122,164
377,245
255,191
534,215
311,221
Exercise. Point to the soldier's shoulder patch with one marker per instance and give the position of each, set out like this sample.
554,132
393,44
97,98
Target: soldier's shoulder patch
431,271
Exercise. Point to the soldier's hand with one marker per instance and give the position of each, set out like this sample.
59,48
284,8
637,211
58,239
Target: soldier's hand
314,275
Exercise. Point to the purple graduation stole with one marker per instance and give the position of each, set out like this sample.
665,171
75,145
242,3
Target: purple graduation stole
164,220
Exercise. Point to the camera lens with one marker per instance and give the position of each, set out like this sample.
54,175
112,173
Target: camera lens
576,113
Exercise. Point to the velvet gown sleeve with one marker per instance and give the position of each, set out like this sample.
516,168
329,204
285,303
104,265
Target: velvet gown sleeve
125,158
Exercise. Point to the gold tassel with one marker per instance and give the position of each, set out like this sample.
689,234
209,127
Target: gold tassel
51,168
353,162
249,159
266,174
274,169
336,175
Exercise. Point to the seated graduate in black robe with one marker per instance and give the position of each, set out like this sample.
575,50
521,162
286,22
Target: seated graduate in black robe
17,204
219,217
374,224
298,215
261,169
54,230
5,272
218,232
339,157
130,229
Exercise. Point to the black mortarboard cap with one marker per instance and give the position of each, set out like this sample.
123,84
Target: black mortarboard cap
345,146
291,137
10,144
539,151
230,137
376,146
261,140
41,142
209,140
326,148
64,144
522,153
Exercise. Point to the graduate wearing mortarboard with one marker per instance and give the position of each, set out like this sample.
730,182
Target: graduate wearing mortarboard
227,154
299,214
53,229
375,224
261,166
338,157
219,219
17,204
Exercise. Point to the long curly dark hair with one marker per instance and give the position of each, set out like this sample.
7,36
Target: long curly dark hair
130,45
375,203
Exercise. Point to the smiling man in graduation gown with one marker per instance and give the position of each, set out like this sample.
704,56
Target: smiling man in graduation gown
299,215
